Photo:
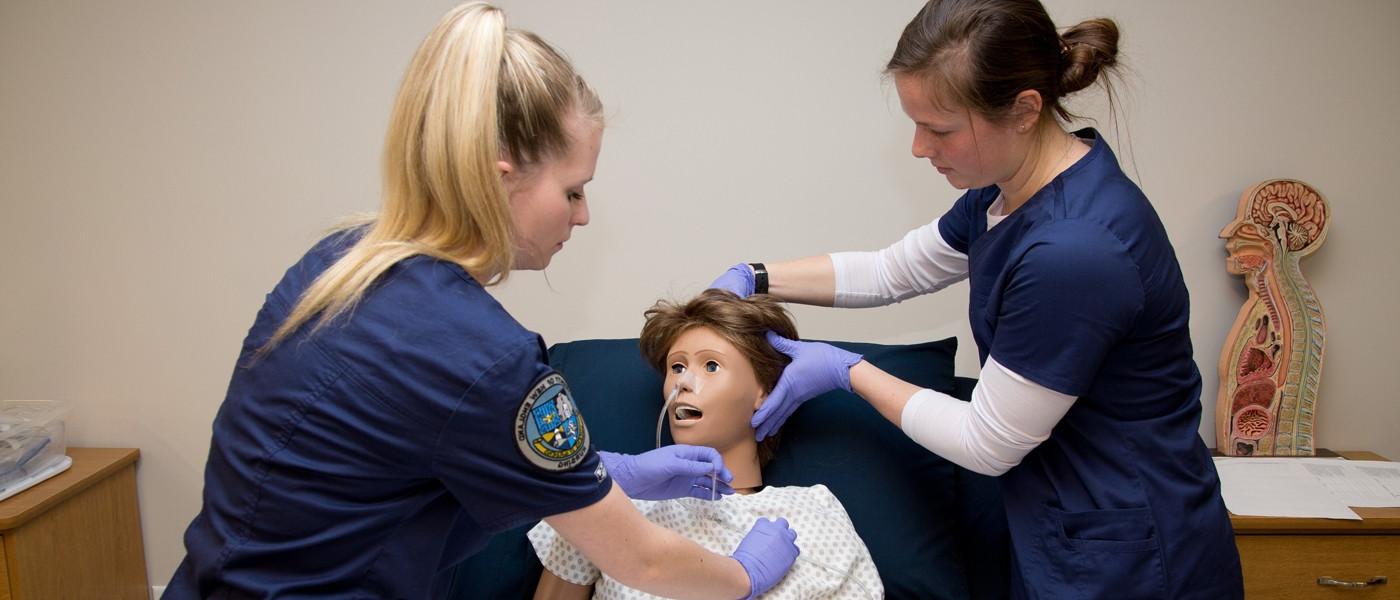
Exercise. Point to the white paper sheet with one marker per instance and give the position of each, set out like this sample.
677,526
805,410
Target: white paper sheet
1278,488
1367,483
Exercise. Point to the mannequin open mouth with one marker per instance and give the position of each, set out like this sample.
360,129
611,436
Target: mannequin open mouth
685,414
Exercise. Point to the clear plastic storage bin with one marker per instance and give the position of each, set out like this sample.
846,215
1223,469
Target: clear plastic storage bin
32,443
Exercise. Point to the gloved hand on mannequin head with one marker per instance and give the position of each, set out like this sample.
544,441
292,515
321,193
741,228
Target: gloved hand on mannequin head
816,368
738,279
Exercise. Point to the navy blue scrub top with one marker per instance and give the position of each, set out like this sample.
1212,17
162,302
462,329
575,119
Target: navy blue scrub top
1079,291
364,460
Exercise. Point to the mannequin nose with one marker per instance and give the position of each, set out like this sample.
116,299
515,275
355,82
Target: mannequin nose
686,382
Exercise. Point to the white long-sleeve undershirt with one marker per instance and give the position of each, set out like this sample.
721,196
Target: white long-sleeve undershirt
920,263
1008,417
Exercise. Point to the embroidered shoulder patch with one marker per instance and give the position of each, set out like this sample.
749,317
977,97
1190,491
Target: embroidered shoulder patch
549,431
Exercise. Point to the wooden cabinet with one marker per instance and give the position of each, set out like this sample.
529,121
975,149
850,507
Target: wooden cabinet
77,534
1284,559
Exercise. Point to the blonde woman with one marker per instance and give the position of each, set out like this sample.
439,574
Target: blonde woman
387,415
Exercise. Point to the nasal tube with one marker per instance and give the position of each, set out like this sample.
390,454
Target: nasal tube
687,379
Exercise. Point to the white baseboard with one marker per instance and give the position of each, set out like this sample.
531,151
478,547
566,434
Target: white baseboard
156,591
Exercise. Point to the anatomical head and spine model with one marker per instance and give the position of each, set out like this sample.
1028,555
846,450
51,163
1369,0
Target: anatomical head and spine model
1271,363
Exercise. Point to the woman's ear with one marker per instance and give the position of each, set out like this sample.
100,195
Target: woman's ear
504,170
758,402
1026,108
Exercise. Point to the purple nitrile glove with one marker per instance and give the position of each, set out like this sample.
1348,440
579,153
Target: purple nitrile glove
669,472
738,279
766,554
816,369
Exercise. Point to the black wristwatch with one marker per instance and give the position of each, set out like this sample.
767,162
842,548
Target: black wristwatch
760,278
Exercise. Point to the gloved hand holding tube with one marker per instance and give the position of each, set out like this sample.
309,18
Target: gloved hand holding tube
670,472
767,553
816,368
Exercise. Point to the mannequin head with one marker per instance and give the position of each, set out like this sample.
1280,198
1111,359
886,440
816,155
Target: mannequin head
714,347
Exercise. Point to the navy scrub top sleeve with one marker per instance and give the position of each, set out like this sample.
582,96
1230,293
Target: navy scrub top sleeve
1072,296
515,449
963,218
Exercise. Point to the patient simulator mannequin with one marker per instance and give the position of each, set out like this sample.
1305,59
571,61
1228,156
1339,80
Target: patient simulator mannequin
718,369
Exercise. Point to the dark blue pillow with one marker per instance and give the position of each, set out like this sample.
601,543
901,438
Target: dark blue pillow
618,393
902,499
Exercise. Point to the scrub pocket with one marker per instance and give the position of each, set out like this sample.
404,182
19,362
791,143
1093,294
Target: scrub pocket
1110,553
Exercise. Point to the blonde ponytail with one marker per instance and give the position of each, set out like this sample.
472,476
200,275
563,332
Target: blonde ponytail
475,93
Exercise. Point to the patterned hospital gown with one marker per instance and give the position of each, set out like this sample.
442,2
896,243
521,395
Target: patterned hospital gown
834,562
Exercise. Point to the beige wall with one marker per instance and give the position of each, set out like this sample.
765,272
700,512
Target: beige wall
162,162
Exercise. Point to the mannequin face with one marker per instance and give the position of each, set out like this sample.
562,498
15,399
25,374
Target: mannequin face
716,409
963,146
547,201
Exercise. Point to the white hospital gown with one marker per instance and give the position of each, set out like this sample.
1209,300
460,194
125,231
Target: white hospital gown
834,562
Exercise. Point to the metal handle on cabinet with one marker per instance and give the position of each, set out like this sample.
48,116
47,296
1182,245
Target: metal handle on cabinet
1330,582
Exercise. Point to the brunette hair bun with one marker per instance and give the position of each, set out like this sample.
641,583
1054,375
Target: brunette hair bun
1089,48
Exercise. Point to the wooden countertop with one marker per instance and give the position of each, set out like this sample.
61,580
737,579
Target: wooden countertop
90,465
